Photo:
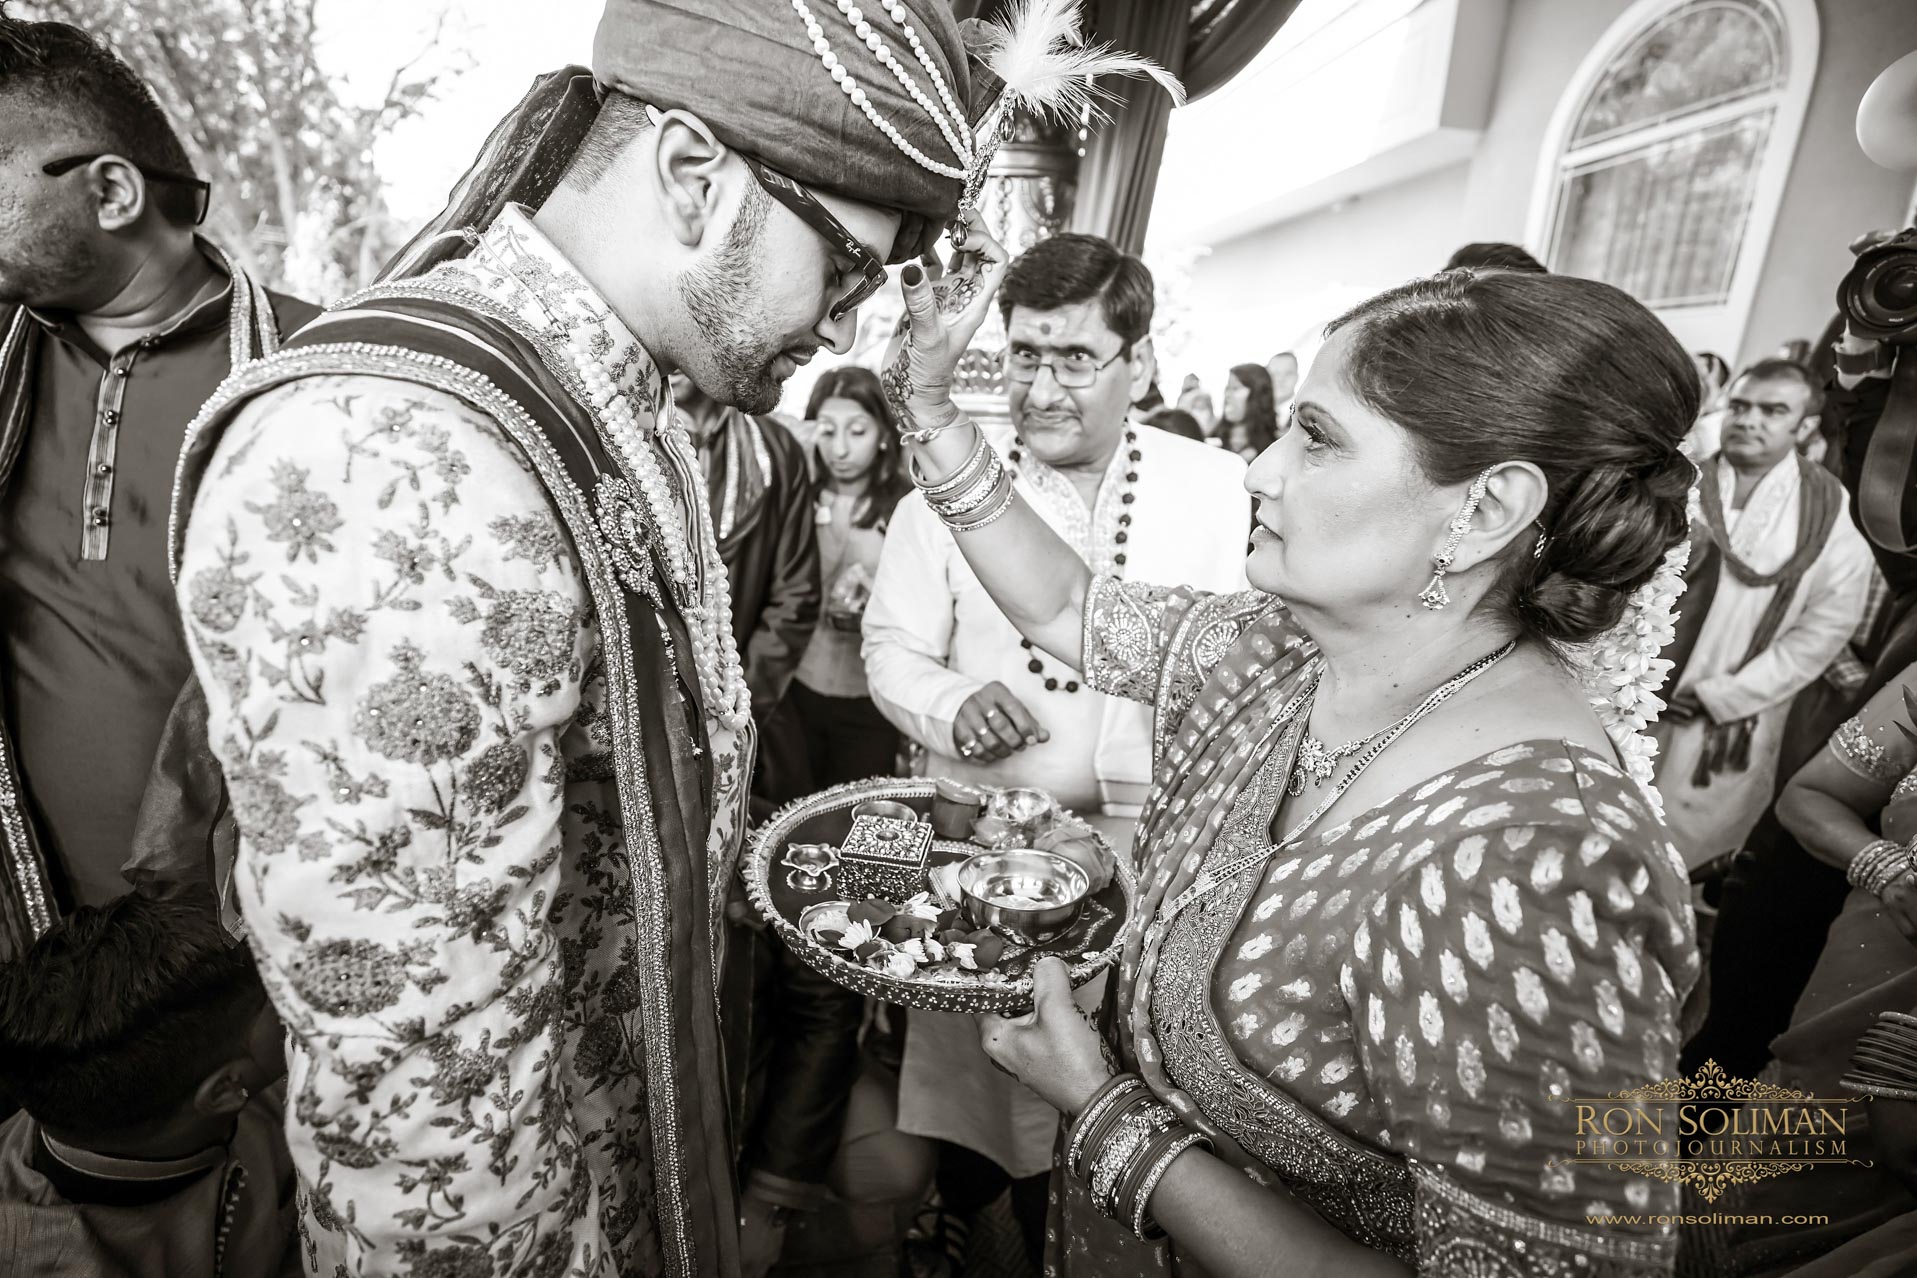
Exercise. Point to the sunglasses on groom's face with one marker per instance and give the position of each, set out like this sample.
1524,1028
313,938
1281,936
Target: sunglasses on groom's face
202,191
867,270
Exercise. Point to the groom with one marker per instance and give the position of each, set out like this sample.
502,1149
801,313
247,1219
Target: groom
452,587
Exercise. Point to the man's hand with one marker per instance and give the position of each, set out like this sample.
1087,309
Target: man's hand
1685,707
761,1235
994,724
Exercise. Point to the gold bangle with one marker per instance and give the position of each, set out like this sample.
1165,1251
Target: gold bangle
978,493
1120,1086
966,470
1142,1196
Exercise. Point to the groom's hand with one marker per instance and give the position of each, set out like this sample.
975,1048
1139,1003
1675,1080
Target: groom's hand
993,724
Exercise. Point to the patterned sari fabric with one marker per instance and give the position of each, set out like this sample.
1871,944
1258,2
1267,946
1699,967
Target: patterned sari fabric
1388,1019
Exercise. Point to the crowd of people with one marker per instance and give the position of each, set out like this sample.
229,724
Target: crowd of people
389,690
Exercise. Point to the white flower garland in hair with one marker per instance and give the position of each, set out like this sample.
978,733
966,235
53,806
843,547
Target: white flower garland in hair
1621,670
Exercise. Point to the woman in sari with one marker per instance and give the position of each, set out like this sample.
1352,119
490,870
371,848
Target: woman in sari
1854,805
1399,904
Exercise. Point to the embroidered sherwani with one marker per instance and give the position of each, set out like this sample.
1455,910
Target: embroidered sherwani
423,657
1709,820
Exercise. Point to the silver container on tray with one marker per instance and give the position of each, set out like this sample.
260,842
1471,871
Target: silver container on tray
1057,886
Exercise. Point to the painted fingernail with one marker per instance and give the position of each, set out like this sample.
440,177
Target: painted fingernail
912,275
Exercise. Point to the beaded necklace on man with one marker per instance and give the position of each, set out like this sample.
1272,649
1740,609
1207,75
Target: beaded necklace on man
1126,497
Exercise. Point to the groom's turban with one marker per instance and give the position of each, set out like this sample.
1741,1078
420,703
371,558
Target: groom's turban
751,71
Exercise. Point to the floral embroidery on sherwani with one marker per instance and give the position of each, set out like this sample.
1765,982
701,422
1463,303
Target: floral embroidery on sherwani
408,694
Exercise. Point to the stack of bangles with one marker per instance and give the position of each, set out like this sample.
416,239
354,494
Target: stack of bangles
1879,865
1883,1064
974,495
1121,1145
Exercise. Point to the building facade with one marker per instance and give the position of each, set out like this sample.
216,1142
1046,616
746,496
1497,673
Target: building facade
1699,153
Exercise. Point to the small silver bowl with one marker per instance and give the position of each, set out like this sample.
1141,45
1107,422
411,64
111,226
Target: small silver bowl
1020,805
1059,885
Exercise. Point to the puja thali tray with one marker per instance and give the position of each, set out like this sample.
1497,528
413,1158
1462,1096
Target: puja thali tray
783,888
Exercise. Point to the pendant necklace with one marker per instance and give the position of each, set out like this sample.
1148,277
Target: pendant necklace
1316,761
1211,878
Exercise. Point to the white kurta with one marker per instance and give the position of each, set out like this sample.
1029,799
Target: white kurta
1710,820
933,638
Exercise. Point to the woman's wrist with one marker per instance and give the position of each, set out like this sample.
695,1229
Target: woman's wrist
932,411
1878,864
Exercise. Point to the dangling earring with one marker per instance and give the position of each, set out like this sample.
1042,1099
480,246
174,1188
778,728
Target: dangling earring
1433,596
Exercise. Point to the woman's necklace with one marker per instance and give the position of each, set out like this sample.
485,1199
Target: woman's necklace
1212,878
1126,497
1317,761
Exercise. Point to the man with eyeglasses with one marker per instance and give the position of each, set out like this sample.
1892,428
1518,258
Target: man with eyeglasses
116,321
454,587
947,668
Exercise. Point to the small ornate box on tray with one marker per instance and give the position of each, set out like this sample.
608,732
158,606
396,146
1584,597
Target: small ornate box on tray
935,895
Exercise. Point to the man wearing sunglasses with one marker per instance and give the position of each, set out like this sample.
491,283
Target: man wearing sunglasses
116,321
454,586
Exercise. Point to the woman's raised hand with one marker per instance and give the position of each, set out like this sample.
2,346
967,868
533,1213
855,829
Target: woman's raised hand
942,315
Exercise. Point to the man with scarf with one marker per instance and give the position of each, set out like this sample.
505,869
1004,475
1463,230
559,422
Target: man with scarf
1774,590
116,322
453,586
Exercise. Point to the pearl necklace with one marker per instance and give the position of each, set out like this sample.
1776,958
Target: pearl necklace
1126,497
703,586
951,122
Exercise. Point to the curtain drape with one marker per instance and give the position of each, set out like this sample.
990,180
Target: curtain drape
1225,36
1203,44
1119,173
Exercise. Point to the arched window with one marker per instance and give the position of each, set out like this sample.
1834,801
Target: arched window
1668,155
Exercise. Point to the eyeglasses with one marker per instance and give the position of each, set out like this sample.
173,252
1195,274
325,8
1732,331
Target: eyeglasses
202,190
870,270
1073,370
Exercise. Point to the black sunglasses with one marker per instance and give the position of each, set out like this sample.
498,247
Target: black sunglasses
806,206
202,190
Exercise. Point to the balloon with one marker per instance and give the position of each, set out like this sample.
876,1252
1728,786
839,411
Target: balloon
1887,116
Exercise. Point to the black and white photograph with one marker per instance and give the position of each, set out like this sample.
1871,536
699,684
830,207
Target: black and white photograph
958,638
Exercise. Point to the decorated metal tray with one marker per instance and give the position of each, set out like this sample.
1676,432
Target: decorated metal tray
870,900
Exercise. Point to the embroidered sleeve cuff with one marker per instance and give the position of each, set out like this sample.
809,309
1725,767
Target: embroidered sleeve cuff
1124,622
1462,1233
1855,750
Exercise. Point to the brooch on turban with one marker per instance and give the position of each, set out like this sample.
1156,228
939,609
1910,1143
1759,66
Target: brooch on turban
1034,59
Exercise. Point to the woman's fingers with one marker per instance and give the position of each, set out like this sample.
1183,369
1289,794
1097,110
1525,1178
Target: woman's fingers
920,301
1052,989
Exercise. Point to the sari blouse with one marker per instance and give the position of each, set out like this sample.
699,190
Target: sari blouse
1392,1019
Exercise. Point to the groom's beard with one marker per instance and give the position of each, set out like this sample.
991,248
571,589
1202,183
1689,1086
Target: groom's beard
721,298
